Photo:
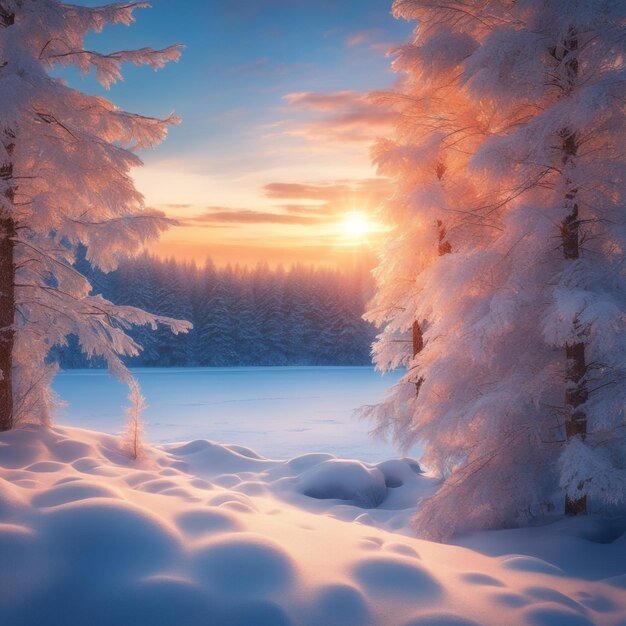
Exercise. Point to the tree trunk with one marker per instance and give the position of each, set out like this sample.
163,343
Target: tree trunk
7,304
576,392
444,247
418,345
7,269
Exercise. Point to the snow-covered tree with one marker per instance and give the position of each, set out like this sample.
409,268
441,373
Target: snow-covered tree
134,284
438,128
65,158
523,367
171,299
246,334
134,426
269,294
215,324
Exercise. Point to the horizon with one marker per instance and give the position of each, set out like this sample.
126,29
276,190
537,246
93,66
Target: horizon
361,261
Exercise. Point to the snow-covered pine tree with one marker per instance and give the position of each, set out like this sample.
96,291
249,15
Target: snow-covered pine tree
65,158
524,358
438,129
294,313
135,285
247,337
201,303
172,300
268,289
215,325
134,426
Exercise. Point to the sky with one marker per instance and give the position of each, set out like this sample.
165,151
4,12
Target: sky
271,160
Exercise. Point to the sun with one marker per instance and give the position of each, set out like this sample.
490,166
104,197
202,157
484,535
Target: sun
355,226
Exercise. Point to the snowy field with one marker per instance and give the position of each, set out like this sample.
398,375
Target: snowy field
281,412
253,510
197,534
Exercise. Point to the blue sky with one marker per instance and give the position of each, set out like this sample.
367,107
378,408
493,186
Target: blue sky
270,93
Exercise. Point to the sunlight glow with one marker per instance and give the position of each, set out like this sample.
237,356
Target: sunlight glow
355,226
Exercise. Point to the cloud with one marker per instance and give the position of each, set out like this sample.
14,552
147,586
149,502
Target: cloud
309,209
339,116
305,191
304,204
375,188
225,215
326,101
333,197
229,116
360,37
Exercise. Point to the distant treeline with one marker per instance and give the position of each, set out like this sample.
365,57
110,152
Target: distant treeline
241,316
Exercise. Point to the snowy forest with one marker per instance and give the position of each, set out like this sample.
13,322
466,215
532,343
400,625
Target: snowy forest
241,316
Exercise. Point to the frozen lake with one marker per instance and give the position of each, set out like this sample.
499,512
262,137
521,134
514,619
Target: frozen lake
280,412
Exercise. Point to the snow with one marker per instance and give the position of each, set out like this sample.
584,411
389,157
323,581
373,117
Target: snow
198,533
337,479
281,412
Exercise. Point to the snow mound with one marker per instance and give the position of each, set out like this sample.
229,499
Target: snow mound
245,566
398,471
344,480
400,578
88,536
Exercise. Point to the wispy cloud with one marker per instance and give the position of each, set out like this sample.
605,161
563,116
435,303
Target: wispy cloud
339,116
374,188
303,204
226,215
361,37
326,100
307,209
305,191
333,197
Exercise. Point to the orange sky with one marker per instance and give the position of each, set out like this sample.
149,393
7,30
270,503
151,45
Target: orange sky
320,223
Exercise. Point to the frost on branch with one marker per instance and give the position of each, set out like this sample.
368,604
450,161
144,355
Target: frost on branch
66,158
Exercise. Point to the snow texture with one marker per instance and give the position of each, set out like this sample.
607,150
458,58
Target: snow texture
201,533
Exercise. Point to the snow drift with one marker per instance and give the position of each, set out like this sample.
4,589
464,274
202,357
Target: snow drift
201,533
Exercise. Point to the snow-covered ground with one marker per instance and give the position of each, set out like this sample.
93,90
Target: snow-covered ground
211,531
200,533
281,412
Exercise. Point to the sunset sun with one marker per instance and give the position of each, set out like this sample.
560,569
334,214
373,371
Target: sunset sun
355,226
